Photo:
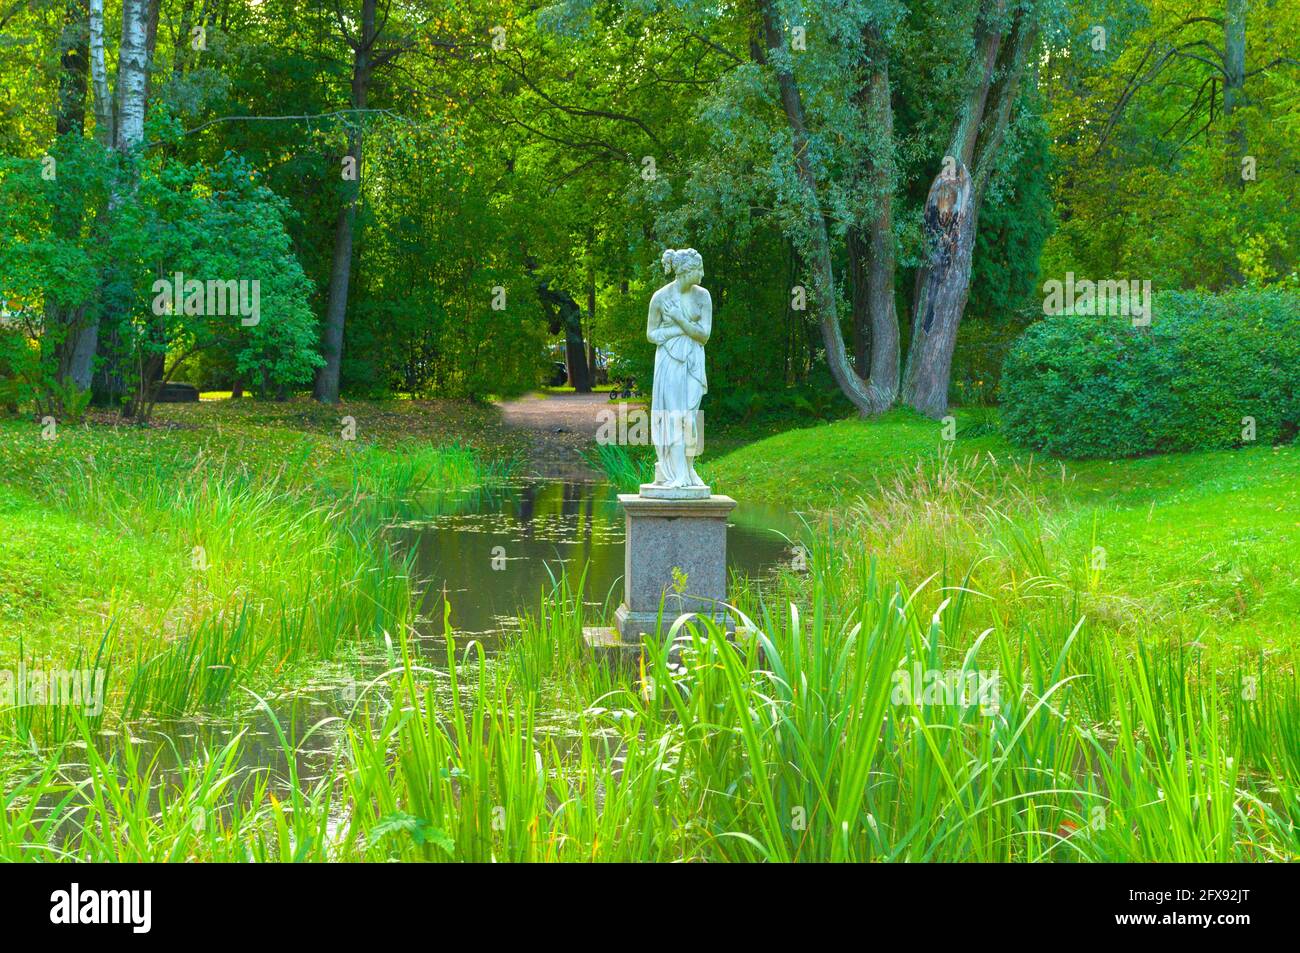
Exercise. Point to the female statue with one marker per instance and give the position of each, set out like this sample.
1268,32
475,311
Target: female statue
681,318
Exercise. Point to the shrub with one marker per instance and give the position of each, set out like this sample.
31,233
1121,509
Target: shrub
1085,386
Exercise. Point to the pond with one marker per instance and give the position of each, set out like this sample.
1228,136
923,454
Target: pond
491,552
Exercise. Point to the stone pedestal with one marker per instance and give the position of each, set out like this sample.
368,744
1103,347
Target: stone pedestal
689,535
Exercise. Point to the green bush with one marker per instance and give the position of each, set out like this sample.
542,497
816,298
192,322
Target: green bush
1084,386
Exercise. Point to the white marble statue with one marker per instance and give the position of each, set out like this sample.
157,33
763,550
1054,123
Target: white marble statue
681,318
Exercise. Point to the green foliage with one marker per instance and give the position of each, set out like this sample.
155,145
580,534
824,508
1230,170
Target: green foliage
70,254
1153,178
801,740
210,224
69,399
1015,220
52,250
290,563
546,753
807,402
981,352
20,368
825,467
627,467
447,305
1206,368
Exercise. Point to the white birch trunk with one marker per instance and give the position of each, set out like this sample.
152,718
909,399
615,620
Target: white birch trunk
99,75
132,75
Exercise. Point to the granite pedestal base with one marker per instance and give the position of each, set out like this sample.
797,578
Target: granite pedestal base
675,555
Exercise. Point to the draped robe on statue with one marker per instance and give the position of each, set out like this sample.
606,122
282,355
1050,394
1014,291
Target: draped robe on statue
679,385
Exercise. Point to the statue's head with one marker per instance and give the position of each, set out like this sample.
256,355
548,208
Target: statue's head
685,264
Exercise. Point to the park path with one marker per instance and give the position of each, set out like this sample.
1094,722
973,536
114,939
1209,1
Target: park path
557,414
559,425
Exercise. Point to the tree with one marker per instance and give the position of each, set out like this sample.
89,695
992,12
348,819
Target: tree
119,124
1006,37
1003,38
1181,119
194,238
367,57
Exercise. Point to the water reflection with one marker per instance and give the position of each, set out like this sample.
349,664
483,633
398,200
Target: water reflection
492,561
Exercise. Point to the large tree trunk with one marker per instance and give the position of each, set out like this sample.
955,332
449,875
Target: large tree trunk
123,132
953,205
70,120
326,388
565,315
871,255
99,75
950,219
132,75
575,351
868,396
84,337
128,133
327,377
881,309
132,101
856,245
80,366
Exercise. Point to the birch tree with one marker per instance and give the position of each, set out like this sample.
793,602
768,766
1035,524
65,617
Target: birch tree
119,124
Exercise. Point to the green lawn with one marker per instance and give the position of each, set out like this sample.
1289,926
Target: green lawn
1206,545
817,467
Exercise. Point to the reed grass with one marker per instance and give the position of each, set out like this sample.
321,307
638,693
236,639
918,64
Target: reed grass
268,570
627,468
803,738
405,471
791,742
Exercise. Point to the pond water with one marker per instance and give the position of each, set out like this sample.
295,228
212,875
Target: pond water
491,553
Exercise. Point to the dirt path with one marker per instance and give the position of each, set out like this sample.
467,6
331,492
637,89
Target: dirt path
557,413
560,426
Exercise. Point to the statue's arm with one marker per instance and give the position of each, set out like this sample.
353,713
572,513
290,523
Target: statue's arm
655,332
701,329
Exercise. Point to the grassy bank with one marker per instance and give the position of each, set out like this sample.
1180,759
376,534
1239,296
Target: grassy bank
224,546
800,742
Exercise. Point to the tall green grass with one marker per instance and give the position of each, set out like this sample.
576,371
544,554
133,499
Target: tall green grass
269,569
790,742
626,467
795,740
406,471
